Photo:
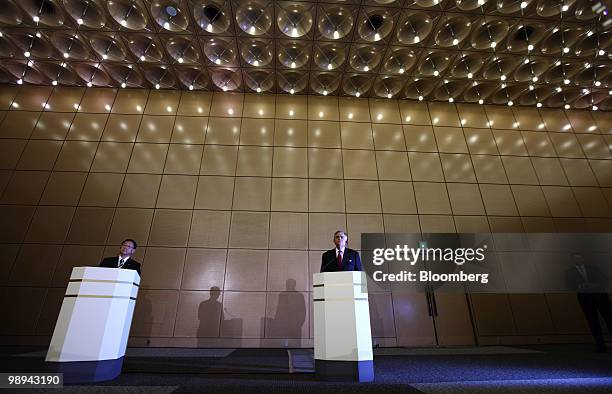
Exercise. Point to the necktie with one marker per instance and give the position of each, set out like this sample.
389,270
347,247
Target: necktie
340,259
121,261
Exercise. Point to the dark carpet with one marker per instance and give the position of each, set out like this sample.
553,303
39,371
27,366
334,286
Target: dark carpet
542,369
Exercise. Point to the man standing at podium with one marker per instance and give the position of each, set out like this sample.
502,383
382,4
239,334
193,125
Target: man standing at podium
340,258
126,250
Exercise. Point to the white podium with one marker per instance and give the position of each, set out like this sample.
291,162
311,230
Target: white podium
342,335
93,326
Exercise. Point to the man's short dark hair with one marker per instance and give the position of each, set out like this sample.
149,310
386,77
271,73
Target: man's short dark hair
341,231
130,240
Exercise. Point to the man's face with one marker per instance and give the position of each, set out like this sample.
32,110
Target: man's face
578,259
340,240
127,248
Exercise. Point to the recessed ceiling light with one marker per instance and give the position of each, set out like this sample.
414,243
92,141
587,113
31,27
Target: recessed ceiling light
54,82
539,105
36,19
481,101
80,21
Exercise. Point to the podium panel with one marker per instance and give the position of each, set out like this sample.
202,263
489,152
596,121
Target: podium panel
93,326
342,334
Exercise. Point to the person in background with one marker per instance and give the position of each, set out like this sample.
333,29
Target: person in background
590,285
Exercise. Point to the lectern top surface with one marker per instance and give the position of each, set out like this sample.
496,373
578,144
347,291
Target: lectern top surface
338,277
102,273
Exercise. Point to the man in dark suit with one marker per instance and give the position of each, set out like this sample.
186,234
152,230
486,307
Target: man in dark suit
340,258
124,260
590,284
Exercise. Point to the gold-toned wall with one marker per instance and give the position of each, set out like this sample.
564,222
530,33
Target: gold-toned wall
244,192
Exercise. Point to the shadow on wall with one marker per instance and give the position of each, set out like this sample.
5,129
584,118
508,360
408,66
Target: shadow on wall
209,313
144,312
290,314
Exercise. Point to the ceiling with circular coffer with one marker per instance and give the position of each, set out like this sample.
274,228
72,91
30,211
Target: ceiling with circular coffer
542,53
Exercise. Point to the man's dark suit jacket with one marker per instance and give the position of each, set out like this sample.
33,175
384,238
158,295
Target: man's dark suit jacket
111,262
350,261
575,281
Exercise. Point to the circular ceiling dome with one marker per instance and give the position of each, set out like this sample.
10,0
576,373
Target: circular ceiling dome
400,61
479,91
375,25
121,73
192,77
468,65
470,5
512,6
88,13
89,73
294,20
414,28
158,76
70,46
419,88
504,95
499,68
220,52
128,14
169,15
259,80
63,75
365,58
145,48
434,64
294,54
559,39
547,8
212,16
535,96
256,53
325,83
329,56
452,31
532,71
182,49
562,72
25,72
449,89
292,82
107,47
526,36
226,79
357,84
254,18
389,86
10,14
48,12
37,46
489,34
335,22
